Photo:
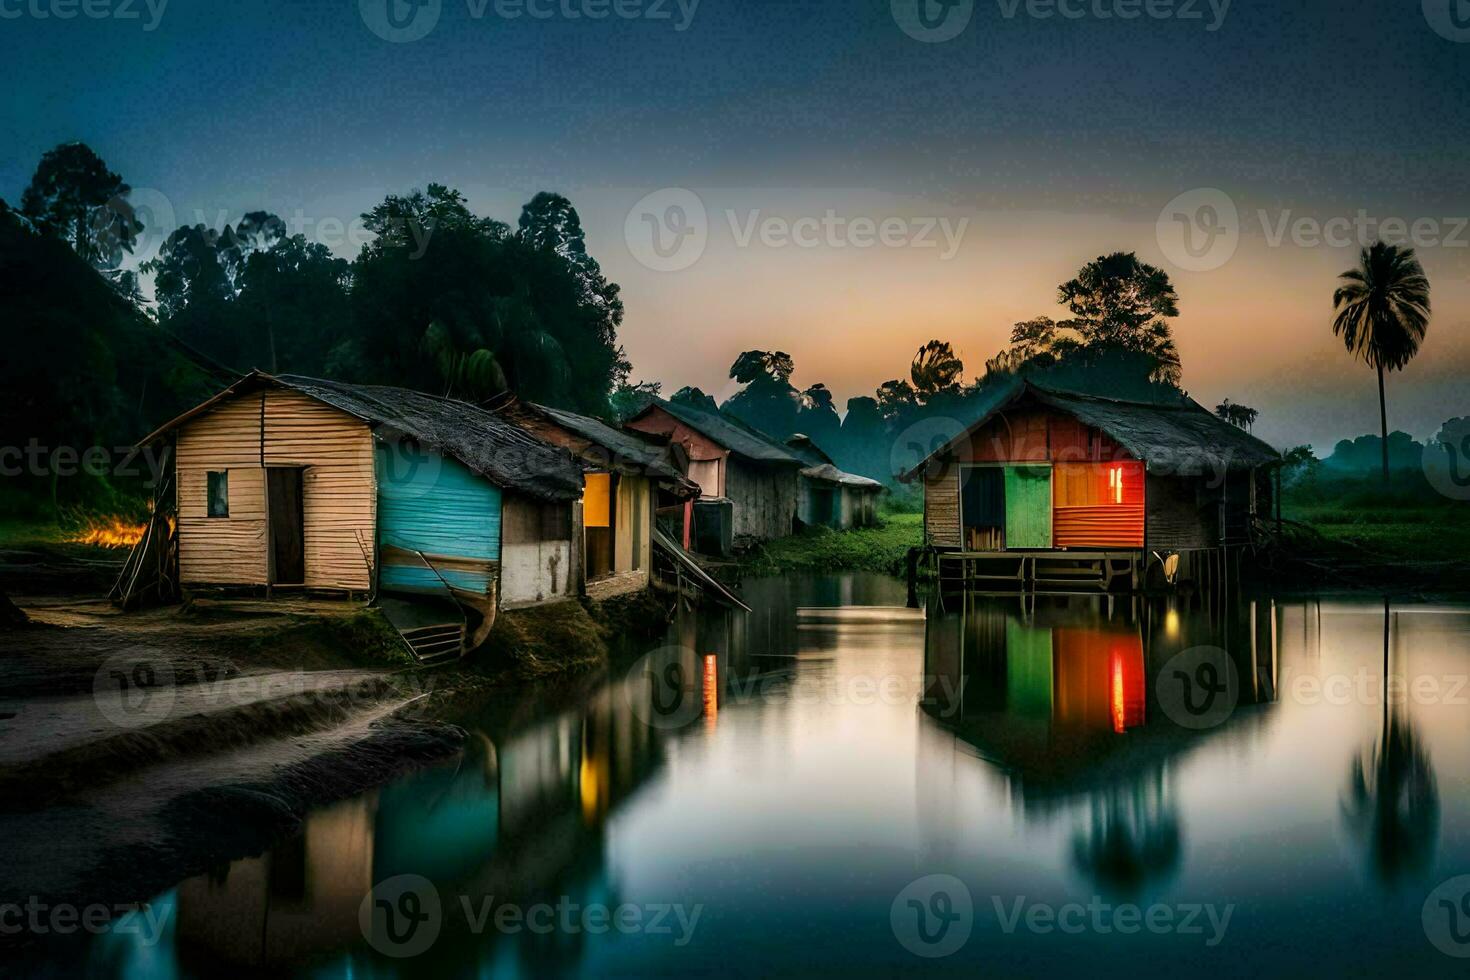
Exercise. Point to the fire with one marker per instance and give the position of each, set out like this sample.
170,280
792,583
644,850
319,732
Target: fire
109,532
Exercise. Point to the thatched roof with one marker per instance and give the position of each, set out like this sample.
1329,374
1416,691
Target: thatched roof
729,432
500,452
620,450
1173,434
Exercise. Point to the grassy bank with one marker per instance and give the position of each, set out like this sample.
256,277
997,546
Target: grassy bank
870,549
1353,532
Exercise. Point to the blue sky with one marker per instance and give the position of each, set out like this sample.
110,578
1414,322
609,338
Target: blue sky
1057,137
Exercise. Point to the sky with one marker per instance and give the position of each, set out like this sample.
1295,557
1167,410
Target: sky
842,180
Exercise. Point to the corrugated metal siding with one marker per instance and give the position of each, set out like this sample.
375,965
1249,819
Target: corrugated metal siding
1086,516
1028,507
942,507
335,450
434,504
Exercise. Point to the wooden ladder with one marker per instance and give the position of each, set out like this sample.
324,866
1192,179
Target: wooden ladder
437,643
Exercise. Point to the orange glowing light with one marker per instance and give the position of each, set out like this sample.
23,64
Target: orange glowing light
1126,674
109,532
710,690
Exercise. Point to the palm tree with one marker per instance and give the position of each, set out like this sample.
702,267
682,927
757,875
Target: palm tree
1382,313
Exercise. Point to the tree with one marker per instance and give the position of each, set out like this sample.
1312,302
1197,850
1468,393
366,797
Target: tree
1381,312
895,398
1118,302
758,365
935,370
694,398
1237,415
629,398
816,416
532,300
768,402
251,295
73,196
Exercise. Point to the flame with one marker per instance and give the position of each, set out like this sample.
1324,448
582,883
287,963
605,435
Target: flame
109,532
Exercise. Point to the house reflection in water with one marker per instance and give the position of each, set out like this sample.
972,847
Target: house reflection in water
520,819
1058,694
298,901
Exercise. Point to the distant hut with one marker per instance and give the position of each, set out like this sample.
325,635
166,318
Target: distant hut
629,482
1048,471
285,482
830,497
748,482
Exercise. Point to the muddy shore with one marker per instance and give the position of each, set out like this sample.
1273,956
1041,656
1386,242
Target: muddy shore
139,749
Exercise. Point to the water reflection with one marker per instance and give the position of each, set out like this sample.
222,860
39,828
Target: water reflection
805,761
1392,802
1060,694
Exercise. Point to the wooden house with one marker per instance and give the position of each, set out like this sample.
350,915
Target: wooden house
288,482
1044,471
828,496
748,483
628,483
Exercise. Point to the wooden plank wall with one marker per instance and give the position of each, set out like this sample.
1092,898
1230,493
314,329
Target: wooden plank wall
284,428
339,485
942,506
435,505
1035,435
764,498
222,550
634,494
1180,515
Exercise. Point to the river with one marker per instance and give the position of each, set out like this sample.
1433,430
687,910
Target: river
834,782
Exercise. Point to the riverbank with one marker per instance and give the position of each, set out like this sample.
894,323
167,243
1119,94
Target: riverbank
883,548
1420,548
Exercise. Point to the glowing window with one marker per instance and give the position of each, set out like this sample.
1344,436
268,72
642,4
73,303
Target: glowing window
597,500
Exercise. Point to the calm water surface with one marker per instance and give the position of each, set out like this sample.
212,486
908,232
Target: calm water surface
770,792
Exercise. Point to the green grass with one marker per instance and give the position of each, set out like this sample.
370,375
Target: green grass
871,549
1424,532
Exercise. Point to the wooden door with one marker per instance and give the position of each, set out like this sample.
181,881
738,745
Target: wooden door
288,526
1028,507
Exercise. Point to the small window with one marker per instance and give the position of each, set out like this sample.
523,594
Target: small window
219,493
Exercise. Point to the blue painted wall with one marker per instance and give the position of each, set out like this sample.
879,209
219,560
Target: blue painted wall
434,504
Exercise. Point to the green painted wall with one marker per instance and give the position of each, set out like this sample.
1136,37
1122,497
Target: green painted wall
1028,507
